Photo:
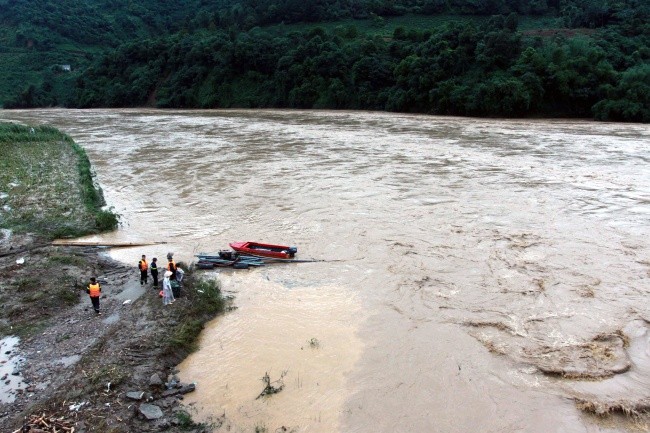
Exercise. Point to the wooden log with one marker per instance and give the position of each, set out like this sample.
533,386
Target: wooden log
72,243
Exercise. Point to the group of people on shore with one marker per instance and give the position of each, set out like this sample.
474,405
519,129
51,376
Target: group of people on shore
171,279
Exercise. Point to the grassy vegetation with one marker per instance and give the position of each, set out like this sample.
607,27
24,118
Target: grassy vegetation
50,280
64,295
23,330
205,301
25,283
46,185
70,260
63,292
184,338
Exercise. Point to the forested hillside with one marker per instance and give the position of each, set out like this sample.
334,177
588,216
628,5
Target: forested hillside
573,58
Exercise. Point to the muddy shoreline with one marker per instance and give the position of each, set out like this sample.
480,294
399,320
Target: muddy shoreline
104,373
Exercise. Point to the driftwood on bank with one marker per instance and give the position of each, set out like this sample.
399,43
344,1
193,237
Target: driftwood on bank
46,424
73,243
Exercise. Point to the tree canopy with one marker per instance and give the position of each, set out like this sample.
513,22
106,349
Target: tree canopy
589,58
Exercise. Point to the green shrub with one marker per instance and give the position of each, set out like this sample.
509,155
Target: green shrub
207,297
106,220
184,338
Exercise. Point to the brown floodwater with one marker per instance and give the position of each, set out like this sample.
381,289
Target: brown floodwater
491,275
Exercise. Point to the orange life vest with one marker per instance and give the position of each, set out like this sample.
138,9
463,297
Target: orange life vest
143,265
171,266
94,290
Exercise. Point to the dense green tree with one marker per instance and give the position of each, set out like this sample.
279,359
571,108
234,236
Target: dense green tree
630,99
229,53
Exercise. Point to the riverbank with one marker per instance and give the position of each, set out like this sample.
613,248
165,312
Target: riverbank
63,366
96,373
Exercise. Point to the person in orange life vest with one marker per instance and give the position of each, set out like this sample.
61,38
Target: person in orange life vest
171,266
143,266
94,290
154,272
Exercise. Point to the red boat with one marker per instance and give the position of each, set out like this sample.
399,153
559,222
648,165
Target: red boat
264,250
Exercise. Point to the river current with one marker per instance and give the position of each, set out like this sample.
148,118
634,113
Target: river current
478,275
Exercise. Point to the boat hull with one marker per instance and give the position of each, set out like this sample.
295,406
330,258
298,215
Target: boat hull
264,250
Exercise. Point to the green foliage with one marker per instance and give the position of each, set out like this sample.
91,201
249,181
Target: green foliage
184,338
106,220
206,296
67,259
470,57
23,330
630,99
35,297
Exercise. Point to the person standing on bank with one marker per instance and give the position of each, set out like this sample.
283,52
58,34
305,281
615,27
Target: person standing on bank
168,296
171,266
94,290
143,266
154,272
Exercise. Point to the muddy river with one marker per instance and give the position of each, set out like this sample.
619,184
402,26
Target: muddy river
479,275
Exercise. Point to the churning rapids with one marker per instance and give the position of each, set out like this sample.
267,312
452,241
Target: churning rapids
494,275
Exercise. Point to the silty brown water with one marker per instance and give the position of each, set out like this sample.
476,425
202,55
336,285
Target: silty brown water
490,266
